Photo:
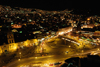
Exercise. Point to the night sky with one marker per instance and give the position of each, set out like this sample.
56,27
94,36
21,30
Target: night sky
54,5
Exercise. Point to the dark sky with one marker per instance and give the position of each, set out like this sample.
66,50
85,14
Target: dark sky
52,4
39,4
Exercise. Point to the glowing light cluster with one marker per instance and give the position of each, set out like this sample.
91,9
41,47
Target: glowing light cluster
72,41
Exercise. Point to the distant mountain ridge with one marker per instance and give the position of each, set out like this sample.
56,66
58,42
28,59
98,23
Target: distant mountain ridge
54,7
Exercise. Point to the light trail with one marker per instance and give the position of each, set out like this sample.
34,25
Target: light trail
72,41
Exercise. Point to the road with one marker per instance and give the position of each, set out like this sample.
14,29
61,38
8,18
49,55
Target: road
56,53
45,60
40,60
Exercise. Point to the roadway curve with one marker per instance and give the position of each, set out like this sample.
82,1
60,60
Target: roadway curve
47,59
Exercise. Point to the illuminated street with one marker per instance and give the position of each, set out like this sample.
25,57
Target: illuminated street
56,53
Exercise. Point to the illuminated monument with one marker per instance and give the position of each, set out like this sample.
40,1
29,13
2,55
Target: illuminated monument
10,37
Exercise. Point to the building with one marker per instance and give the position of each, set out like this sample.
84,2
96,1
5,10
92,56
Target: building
10,37
87,26
5,48
64,30
96,33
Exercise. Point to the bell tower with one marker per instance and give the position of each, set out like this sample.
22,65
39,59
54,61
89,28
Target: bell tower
10,37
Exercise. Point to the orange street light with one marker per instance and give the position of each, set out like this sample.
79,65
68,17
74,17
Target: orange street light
69,46
82,51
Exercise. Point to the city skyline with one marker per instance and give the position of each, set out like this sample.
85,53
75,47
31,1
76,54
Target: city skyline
80,7
48,38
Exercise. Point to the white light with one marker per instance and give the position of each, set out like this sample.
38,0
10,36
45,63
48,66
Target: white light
78,44
66,39
69,40
41,48
42,39
61,33
51,36
46,64
30,20
72,41
63,38
80,39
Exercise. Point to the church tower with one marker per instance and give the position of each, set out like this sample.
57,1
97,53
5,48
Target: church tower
10,37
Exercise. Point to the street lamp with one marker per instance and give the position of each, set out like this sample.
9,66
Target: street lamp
98,48
20,54
18,59
35,57
82,51
69,46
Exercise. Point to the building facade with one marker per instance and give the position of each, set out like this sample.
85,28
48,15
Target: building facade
14,46
10,37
